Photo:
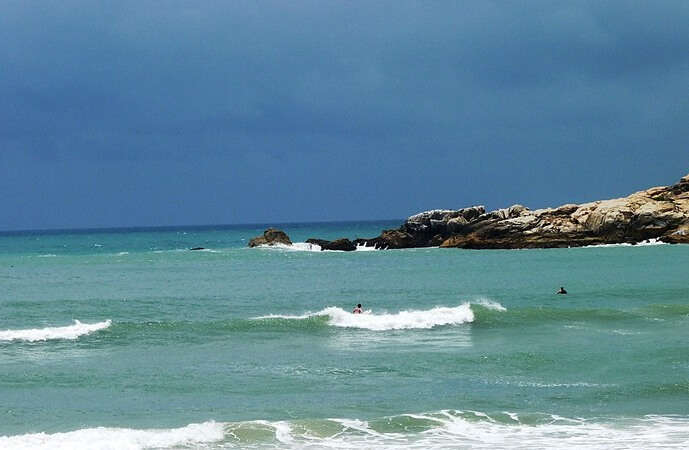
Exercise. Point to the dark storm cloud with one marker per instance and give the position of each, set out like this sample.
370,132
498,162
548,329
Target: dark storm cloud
389,107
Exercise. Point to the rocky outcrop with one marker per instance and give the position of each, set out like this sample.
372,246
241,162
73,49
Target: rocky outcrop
271,237
343,244
657,213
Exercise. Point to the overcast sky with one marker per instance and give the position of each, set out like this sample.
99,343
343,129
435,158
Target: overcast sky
126,113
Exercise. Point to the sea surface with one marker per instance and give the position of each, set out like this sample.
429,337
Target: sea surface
126,339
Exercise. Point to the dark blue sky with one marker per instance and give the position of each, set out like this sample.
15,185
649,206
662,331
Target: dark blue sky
125,113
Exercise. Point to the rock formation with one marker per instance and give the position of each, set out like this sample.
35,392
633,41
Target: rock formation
271,237
658,213
338,244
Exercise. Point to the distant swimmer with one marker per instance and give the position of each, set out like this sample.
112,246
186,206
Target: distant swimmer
358,309
561,291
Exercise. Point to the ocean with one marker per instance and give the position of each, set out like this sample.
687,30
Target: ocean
126,339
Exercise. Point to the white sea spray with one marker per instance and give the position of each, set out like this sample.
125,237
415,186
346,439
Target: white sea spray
102,438
49,333
406,319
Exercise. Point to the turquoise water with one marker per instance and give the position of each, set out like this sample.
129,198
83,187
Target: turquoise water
237,347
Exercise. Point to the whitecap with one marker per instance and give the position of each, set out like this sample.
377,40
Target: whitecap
49,333
102,438
407,319
489,304
437,430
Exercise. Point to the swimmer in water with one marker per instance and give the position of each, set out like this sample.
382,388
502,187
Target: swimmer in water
358,309
561,291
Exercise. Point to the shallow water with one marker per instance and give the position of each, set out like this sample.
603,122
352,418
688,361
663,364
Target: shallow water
238,347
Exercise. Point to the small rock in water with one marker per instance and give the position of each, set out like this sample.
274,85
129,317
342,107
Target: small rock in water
271,236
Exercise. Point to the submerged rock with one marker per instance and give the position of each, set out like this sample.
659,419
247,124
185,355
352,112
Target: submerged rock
271,236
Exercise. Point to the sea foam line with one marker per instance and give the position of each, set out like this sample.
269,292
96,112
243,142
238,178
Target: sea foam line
442,429
407,319
102,438
307,247
43,334
646,243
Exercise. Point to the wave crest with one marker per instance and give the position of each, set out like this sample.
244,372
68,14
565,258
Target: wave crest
435,430
119,438
407,319
49,333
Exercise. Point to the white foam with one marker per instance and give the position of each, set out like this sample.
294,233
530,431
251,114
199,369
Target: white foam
43,334
453,431
646,243
117,438
440,430
295,247
47,255
408,319
489,304
456,429
366,248
307,247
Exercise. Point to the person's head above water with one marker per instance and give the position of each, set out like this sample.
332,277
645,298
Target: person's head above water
358,305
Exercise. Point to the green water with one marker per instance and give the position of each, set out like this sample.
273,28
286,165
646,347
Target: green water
189,340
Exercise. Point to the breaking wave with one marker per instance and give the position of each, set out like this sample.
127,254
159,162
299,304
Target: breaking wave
119,438
408,319
49,333
442,429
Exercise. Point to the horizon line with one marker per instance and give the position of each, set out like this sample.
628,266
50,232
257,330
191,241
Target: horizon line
171,227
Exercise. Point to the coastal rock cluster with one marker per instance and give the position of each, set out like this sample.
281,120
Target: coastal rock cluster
660,213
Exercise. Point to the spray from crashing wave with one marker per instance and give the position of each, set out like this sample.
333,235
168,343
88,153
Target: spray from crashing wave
192,436
407,319
309,247
50,333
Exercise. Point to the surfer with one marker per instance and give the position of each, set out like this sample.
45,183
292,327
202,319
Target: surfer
358,309
561,291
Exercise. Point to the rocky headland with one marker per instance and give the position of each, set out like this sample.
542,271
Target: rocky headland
660,213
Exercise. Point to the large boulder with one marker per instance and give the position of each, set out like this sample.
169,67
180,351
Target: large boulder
343,244
271,236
